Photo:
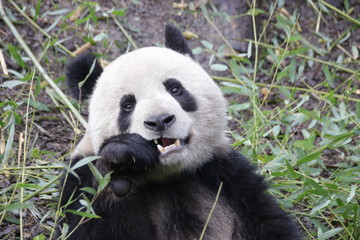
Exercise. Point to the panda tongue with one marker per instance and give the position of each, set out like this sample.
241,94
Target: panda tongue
167,141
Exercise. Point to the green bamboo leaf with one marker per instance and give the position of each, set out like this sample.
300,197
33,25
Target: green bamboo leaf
120,13
39,237
283,73
16,56
286,92
37,10
81,83
99,37
12,83
218,67
352,193
38,105
291,170
9,142
207,44
328,75
104,182
278,174
84,161
89,190
292,70
54,24
355,52
276,130
293,38
338,138
197,50
320,206
14,206
59,12
255,11
309,158
273,56
239,90
312,184
239,107
27,185
83,214
329,234
296,51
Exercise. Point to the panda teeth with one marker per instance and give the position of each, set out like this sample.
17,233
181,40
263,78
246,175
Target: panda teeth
156,141
162,149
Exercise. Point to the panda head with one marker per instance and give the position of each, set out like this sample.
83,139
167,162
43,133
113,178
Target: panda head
161,94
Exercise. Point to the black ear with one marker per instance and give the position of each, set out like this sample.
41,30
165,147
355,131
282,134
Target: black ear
85,66
175,41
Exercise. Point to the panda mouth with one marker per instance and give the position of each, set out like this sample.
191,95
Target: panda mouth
167,145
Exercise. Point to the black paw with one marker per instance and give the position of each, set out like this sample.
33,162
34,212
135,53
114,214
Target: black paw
131,150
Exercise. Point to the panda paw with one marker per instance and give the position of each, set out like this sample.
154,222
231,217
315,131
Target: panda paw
131,150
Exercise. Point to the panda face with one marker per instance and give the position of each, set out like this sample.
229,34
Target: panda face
165,97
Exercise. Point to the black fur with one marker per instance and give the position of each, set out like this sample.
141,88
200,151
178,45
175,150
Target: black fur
124,118
130,149
175,41
186,100
132,217
77,71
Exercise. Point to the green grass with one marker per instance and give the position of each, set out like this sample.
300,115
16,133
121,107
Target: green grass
303,137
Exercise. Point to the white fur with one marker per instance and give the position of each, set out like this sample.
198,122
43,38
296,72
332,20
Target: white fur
142,73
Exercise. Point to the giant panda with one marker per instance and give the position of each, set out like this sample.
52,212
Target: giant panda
157,121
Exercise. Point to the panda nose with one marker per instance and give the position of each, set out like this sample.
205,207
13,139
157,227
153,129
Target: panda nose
160,123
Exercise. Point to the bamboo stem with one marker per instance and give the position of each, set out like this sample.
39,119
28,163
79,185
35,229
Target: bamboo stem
127,35
211,212
41,189
351,19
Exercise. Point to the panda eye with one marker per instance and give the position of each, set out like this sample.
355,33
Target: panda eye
175,91
128,107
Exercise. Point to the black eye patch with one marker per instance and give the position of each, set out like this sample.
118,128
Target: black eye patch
127,106
175,89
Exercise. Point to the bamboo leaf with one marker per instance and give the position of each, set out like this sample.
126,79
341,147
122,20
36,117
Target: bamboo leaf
83,214
309,158
84,161
329,234
12,83
352,193
218,67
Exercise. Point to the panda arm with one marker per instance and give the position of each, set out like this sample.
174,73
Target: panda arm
129,149
125,154
118,150
258,210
